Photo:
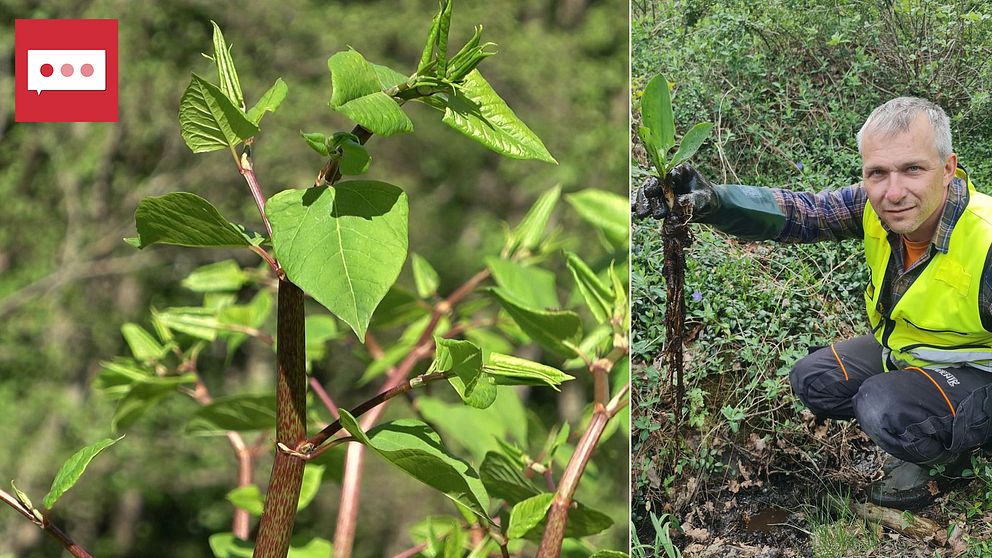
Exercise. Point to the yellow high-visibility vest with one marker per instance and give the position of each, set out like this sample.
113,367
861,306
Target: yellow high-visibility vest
937,322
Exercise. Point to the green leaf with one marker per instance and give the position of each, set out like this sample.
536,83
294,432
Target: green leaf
22,497
465,360
693,139
226,545
357,93
355,159
312,475
598,297
221,276
478,430
503,479
416,449
314,548
424,276
656,113
604,210
248,498
399,306
528,519
116,378
620,306
201,323
234,412
609,554
143,346
530,231
227,75
511,370
345,245
185,219
319,330
269,101
142,397
428,50
209,121
73,469
477,111
550,329
317,141
530,286
583,521
528,514
388,77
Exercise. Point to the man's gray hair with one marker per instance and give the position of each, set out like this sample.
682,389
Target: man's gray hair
896,115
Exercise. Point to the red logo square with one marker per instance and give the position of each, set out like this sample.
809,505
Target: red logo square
65,70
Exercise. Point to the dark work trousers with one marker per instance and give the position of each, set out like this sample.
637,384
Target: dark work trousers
924,416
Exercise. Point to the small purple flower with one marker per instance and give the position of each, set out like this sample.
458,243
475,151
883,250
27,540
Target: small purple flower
697,296
799,166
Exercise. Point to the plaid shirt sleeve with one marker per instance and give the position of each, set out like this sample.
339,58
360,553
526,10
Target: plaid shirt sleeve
826,215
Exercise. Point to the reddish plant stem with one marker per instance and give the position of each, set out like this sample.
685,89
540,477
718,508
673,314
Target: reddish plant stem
315,441
324,397
554,533
247,170
241,522
276,525
58,534
344,533
408,553
344,529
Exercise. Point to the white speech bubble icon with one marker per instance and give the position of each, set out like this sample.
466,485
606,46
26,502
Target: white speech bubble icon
67,70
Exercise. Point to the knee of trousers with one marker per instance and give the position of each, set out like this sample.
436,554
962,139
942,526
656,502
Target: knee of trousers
808,380
877,410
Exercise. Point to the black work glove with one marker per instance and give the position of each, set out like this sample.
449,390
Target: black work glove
693,190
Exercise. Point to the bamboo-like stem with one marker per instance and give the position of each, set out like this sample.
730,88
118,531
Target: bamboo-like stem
71,546
276,525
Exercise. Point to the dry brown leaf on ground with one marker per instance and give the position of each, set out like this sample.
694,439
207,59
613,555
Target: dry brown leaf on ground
956,543
698,534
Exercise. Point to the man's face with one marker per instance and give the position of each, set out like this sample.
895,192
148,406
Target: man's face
905,178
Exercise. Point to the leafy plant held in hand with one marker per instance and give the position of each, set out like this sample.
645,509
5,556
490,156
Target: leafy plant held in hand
657,132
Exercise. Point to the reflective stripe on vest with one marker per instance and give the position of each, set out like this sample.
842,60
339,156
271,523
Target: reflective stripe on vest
937,321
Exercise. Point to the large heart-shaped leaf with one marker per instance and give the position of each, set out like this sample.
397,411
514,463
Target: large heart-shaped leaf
357,93
415,448
185,219
477,111
344,245
208,120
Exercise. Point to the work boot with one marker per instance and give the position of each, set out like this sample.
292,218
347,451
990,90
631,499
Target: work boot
906,486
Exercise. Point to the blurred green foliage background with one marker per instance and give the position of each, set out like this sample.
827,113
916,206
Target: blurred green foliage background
788,84
68,193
